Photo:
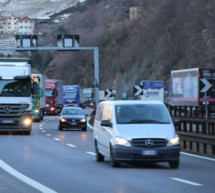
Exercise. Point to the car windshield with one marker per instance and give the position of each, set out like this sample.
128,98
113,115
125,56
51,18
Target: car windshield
87,95
148,114
72,111
69,95
16,88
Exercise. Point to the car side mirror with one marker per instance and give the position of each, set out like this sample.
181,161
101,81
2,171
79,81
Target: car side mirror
106,123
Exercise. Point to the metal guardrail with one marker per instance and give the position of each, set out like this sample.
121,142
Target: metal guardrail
197,133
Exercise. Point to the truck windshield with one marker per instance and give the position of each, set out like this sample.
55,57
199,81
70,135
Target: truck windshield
16,88
69,95
87,95
142,114
50,93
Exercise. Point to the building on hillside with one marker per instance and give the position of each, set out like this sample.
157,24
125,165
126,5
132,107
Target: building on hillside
26,26
134,12
9,25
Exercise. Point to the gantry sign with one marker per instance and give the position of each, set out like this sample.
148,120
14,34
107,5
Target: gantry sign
64,43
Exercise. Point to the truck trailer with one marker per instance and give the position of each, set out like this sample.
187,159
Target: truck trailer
15,95
54,97
192,87
38,98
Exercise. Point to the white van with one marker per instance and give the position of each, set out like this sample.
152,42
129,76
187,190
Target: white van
135,131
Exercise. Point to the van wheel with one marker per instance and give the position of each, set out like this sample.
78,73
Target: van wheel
113,162
174,164
99,156
60,128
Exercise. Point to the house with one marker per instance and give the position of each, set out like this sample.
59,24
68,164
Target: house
26,26
9,25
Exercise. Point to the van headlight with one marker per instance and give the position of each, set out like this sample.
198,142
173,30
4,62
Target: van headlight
121,141
174,141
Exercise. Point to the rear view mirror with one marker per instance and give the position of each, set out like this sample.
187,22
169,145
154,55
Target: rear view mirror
106,123
35,88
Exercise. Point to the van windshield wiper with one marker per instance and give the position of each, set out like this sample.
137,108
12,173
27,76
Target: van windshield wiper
146,121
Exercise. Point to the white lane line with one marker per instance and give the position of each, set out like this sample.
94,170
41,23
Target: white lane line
91,153
48,135
197,156
57,139
186,181
25,179
71,145
41,128
43,131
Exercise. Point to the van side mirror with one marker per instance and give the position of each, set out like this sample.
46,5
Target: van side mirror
106,123
176,122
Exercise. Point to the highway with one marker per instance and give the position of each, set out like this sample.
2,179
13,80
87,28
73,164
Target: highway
64,161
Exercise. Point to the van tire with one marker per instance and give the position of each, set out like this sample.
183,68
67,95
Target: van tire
99,156
174,164
113,162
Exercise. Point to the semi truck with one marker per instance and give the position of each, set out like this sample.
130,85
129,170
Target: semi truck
192,87
54,97
88,97
16,95
38,98
73,95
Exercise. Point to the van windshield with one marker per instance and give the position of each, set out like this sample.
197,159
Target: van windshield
142,114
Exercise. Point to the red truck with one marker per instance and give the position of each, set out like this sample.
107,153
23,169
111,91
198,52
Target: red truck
54,97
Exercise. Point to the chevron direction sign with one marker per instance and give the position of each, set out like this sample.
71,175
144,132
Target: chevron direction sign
110,93
207,85
137,90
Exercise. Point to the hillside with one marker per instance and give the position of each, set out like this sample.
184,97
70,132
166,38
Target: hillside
35,8
169,34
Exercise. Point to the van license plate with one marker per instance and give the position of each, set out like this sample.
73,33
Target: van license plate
73,123
149,152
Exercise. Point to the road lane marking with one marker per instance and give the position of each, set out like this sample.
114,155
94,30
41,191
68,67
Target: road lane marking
186,181
57,139
71,145
91,153
43,131
48,135
197,156
25,179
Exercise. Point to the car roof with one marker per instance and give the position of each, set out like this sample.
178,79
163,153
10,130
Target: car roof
130,102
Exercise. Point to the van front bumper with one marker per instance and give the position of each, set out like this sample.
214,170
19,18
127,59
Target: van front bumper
138,154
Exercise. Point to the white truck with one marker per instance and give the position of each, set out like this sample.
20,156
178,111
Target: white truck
15,95
152,90
39,99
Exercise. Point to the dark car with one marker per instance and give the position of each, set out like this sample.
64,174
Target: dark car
72,118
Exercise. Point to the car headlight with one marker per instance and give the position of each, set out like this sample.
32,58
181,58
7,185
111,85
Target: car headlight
63,120
52,109
83,120
121,141
27,121
174,141
37,111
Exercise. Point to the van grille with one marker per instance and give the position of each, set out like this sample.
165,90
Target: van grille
149,142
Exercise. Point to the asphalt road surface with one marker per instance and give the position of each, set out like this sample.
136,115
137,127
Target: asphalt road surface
51,161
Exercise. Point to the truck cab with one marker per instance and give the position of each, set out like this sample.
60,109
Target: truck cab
15,95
